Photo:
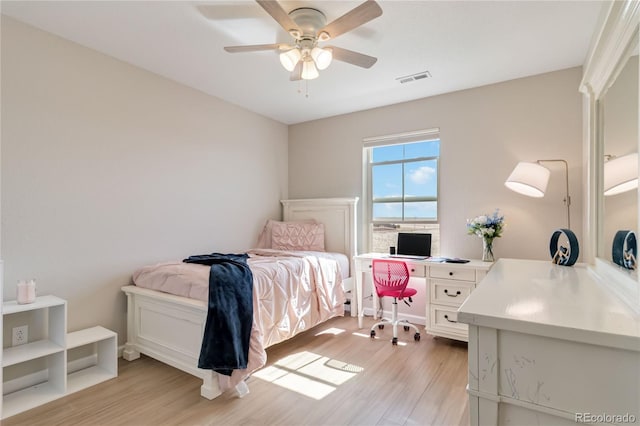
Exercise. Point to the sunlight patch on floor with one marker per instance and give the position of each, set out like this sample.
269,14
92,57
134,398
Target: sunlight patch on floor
271,373
309,374
305,386
334,331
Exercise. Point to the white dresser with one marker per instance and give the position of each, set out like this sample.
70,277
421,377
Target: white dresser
446,285
549,345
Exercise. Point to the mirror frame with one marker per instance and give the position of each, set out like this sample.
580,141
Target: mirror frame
613,44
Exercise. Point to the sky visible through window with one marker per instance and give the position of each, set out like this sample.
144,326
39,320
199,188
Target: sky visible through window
413,165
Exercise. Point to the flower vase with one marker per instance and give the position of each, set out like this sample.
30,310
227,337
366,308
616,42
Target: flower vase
487,250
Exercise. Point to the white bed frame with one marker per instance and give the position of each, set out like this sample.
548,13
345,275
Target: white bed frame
169,328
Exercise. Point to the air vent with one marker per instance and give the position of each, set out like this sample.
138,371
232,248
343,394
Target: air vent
418,76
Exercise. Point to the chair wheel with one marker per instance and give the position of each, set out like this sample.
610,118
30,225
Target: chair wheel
416,337
394,341
406,328
373,334
381,326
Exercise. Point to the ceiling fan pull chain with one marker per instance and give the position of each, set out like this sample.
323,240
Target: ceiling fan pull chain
306,84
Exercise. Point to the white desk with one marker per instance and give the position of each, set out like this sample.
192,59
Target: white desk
548,344
446,285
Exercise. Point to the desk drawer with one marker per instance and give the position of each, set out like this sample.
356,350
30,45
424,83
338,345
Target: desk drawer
452,273
446,318
415,270
449,292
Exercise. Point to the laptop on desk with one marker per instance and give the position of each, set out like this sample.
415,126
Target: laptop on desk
413,246
408,256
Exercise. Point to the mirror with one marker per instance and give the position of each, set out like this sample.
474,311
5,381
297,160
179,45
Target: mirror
620,142
610,85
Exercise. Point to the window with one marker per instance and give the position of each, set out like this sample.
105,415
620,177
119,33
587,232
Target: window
402,187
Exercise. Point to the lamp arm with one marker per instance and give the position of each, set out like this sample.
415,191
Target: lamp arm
567,199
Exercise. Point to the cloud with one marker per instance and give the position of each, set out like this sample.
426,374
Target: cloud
422,174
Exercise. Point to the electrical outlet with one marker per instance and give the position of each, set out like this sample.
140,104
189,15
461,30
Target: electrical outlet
20,335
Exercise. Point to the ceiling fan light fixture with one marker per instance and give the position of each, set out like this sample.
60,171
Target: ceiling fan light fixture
309,70
322,57
308,26
290,58
324,36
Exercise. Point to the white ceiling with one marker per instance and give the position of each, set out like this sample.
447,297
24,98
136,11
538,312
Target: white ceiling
462,44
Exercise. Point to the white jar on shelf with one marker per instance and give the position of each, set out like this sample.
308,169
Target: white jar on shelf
26,292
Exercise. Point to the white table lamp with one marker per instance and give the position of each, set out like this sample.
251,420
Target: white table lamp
621,174
531,179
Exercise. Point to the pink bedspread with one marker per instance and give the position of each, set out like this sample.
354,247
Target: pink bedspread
292,292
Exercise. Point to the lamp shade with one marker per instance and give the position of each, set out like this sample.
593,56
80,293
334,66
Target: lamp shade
530,179
621,174
290,58
322,57
309,70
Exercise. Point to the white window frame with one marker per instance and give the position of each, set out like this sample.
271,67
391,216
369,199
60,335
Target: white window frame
386,140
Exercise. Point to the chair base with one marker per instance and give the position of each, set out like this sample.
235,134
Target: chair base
406,324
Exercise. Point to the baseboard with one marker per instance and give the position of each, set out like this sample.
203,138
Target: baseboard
42,376
25,381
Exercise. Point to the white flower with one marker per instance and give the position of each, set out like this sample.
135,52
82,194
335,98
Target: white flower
486,227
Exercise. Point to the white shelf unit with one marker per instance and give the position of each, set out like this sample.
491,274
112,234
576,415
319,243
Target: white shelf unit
53,378
104,365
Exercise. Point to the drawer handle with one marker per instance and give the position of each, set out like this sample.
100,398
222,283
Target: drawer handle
447,318
452,295
370,266
413,270
450,274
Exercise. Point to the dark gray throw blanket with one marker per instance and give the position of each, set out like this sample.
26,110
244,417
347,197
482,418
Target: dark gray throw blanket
225,344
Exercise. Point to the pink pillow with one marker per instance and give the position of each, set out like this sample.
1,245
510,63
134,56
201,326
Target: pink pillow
297,236
264,239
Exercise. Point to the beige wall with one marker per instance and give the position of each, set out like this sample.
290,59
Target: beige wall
106,167
484,132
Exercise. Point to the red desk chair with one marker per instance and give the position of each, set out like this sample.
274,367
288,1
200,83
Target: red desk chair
390,278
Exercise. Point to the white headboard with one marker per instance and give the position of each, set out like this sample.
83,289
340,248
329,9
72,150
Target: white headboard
338,216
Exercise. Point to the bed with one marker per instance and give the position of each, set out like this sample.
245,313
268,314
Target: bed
169,327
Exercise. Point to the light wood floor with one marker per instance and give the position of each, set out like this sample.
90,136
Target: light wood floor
419,383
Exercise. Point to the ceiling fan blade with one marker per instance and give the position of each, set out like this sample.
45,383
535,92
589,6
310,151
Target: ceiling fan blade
354,18
257,47
276,11
296,74
353,58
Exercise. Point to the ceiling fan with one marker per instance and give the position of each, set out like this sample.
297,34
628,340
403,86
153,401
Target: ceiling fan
308,26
